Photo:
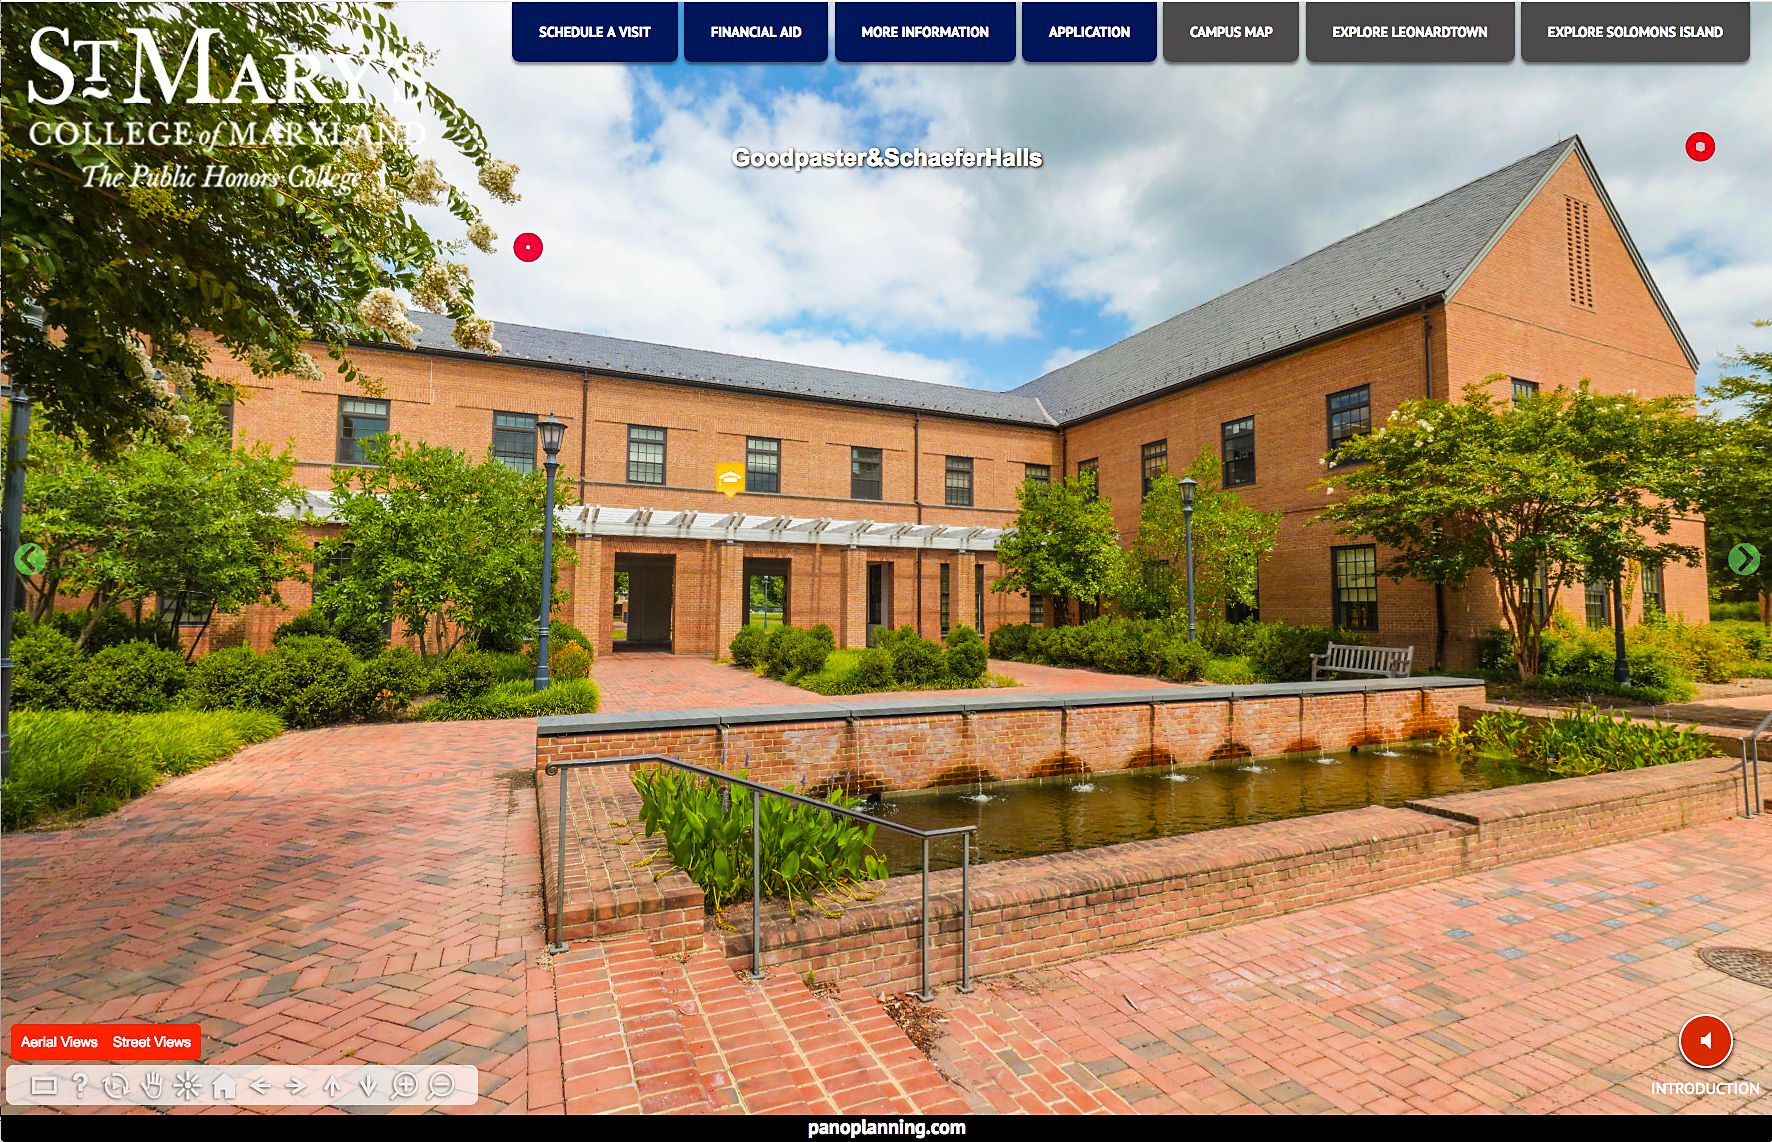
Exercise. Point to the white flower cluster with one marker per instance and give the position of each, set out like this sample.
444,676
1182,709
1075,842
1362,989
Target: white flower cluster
177,375
439,286
427,186
483,236
476,333
381,309
497,176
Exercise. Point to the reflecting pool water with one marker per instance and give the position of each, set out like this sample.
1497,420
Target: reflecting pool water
1017,819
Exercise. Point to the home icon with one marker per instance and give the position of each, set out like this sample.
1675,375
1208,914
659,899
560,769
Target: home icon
224,1089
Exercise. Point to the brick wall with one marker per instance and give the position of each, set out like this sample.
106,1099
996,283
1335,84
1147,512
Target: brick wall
1044,910
915,752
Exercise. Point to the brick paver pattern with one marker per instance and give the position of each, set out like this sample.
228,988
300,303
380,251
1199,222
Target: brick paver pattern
1558,984
645,680
364,893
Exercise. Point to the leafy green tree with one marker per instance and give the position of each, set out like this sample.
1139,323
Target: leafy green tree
1229,540
191,519
1064,543
1561,485
1738,472
449,547
98,268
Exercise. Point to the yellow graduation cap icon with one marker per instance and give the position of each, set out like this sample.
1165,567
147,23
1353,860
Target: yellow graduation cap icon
729,478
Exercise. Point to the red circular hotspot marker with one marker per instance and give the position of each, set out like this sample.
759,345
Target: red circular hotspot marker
1706,1041
1700,146
527,247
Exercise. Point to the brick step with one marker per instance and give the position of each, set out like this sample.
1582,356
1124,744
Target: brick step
667,1045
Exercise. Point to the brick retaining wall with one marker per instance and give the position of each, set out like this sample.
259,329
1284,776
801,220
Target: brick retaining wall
923,743
1042,910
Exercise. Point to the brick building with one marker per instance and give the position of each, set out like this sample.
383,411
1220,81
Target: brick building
875,500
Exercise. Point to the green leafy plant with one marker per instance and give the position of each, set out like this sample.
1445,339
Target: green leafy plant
311,681
516,699
46,665
746,645
77,764
1585,741
806,852
966,657
568,662
465,675
1064,544
393,678
136,677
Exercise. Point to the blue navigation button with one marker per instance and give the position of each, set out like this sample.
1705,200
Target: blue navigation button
749,32
594,32
920,31
1089,31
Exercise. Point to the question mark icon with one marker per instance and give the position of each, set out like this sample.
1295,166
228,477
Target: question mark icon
80,1081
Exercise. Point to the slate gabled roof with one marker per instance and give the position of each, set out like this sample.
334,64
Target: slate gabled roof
1406,259
647,361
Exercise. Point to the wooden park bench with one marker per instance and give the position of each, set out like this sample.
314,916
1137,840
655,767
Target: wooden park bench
1381,661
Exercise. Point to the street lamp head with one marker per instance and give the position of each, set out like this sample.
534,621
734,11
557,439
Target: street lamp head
553,434
1188,484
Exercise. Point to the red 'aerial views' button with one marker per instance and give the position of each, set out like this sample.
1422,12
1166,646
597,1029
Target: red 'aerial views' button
1706,1041
527,247
106,1042
1700,146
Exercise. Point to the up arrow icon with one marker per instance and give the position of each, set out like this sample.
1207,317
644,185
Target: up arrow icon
331,1086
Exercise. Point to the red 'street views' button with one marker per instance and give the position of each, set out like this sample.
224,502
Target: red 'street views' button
106,1042
527,247
1706,1041
1699,146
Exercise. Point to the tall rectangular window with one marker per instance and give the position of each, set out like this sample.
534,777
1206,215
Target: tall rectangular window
1581,269
1091,466
1356,586
1541,593
359,422
947,586
1238,451
1654,592
1350,415
762,464
978,596
190,610
959,482
1153,461
1037,610
513,439
864,473
1597,595
646,454
1523,390
1040,474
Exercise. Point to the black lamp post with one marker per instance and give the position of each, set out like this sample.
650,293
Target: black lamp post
1620,664
553,434
1188,484
12,510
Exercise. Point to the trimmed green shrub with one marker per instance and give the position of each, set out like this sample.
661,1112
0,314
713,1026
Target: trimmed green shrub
393,678
966,658
81,764
1743,610
130,678
306,623
1281,652
874,670
312,681
1184,661
561,632
115,629
1231,672
230,679
1700,652
363,635
917,662
465,675
1010,641
746,645
512,666
45,668
568,662
516,700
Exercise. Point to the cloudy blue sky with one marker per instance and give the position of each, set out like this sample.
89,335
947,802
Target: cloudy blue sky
1163,185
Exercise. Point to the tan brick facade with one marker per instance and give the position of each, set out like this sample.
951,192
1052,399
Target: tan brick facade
1513,315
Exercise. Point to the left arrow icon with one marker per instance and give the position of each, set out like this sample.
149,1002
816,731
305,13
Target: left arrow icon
258,1086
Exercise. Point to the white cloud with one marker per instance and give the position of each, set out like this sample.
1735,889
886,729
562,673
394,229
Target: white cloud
1162,186
1062,357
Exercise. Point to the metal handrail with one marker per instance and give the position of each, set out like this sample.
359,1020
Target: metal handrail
1753,799
965,832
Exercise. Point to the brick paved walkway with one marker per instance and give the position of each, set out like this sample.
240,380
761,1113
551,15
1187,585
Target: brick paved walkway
367,892
650,681
1558,984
